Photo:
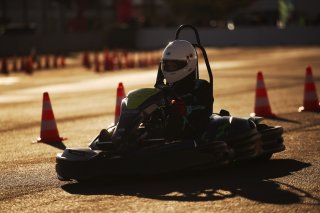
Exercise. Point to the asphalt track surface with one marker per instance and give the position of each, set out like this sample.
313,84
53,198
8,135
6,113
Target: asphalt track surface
84,102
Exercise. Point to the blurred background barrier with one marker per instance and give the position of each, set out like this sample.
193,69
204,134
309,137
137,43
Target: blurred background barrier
107,35
155,38
258,36
61,27
31,63
108,60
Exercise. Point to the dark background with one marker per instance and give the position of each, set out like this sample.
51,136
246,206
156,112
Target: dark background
61,26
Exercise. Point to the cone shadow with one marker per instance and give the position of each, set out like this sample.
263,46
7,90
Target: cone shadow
277,118
58,145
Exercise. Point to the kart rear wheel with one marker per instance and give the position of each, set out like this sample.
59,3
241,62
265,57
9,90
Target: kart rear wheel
264,157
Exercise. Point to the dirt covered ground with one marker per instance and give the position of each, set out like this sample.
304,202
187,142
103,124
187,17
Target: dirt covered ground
84,102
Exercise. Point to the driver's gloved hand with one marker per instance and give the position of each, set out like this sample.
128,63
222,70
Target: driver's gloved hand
179,107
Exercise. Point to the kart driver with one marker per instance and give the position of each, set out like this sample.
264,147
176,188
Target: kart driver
191,102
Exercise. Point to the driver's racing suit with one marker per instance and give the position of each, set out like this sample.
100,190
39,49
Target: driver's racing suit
190,110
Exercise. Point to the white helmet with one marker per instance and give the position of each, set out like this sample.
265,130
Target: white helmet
179,59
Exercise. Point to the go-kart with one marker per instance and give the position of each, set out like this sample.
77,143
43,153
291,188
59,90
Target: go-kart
136,145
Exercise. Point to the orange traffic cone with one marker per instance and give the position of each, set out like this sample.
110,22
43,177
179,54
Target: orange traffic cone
62,61
120,95
310,98
22,64
96,62
49,131
136,60
130,61
4,67
149,59
39,63
55,61
47,62
29,65
106,60
14,65
262,106
86,60
117,60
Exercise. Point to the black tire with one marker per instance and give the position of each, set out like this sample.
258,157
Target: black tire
84,181
264,157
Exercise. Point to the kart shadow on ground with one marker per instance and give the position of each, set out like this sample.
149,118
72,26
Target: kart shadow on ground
252,180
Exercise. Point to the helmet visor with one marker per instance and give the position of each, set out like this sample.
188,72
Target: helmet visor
172,65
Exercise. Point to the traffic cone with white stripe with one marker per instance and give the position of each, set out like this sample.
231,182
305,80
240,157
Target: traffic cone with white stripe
14,65
49,132
4,67
108,63
310,98
262,106
120,95
29,65
62,61
47,62
86,62
55,63
96,62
